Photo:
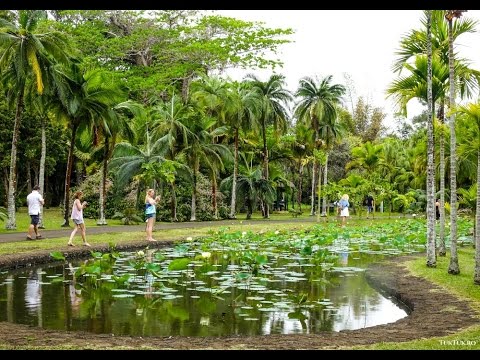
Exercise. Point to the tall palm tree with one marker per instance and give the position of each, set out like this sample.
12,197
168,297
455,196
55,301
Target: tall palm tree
23,49
274,98
317,107
84,98
414,44
453,267
110,125
431,255
467,148
242,116
170,127
202,151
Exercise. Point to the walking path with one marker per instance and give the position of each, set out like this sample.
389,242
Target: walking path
65,232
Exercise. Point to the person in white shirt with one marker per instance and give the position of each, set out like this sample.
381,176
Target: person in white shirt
34,202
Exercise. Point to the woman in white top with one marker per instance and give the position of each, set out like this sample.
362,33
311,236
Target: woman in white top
344,205
77,217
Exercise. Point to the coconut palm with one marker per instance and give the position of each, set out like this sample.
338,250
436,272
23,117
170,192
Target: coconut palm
318,108
84,98
24,48
274,99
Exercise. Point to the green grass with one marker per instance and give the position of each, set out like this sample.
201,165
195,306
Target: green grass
52,219
462,286
160,234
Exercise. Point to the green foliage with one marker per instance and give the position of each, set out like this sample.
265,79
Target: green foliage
57,255
129,216
179,264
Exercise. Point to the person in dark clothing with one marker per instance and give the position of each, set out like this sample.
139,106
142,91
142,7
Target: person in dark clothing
370,203
437,209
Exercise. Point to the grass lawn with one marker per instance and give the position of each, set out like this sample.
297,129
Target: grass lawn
461,285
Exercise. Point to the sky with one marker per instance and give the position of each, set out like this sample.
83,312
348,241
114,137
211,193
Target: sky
360,43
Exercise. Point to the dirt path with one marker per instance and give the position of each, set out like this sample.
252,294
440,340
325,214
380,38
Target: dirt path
435,313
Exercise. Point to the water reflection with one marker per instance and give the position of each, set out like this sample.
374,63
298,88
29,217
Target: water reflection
210,298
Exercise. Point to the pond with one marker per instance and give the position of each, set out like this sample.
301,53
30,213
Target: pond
237,287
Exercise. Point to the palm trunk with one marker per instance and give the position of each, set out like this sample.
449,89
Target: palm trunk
193,216
431,256
300,180
476,276
233,203
441,249
41,176
324,206
319,190
214,196
68,175
28,175
312,202
454,267
266,213
174,203
12,179
103,185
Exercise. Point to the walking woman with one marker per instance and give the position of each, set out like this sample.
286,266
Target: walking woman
343,206
150,212
77,217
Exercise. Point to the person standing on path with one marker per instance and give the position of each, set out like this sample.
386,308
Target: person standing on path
34,202
77,217
150,212
344,205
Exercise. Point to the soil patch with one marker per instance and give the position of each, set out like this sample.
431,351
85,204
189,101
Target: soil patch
433,313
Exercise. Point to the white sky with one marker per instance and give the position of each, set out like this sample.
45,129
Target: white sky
360,43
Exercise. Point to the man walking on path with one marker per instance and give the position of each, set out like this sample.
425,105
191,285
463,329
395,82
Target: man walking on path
34,202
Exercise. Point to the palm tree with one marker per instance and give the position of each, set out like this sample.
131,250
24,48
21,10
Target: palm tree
23,50
468,148
202,150
317,107
431,255
453,267
468,79
274,98
242,116
110,125
84,98
170,127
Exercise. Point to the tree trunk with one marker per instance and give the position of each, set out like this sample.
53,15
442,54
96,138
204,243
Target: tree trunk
454,267
249,208
312,202
103,185
476,276
174,203
28,175
319,191
214,196
266,213
431,256
68,175
324,206
233,203
300,180
12,180
193,216
441,248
